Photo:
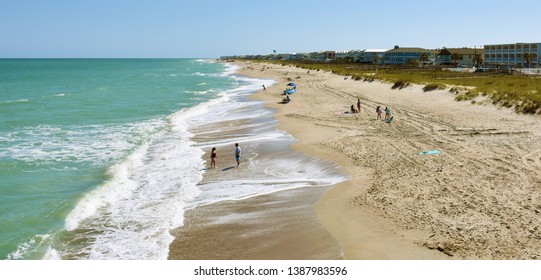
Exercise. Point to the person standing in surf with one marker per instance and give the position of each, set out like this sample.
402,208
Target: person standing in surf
237,153
213,158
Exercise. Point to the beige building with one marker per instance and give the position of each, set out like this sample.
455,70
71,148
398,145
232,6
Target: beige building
459,56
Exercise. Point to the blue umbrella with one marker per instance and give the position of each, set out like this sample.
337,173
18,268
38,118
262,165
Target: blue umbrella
292,85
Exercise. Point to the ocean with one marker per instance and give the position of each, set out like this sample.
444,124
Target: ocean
100,158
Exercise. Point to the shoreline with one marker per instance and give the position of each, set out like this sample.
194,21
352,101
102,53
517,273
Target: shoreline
272,222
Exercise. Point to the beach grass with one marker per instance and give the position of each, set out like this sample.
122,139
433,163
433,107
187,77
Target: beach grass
520,92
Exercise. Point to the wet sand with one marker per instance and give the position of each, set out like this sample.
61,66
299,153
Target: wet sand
280,226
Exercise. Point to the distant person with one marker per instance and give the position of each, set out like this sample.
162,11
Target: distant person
379,112
286,99
387,113
264,87
213,158
353,110
359,105
237,153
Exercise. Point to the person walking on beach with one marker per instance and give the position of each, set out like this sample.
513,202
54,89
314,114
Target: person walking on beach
213,158
387,113
237,153
378,111
264,87
358,105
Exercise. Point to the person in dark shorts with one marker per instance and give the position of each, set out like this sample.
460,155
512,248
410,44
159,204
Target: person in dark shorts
378,111
237,153
213,158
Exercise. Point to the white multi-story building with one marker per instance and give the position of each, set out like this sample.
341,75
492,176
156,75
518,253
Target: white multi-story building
511,55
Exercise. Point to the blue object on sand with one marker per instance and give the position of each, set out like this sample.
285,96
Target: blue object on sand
292,85
430,152
389,120
289,91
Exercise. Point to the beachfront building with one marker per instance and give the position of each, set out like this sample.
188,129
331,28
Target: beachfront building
505,56
464,57
352,55
297,56
322,56
368,56
398,56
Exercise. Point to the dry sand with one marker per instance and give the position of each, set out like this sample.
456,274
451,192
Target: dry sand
479,199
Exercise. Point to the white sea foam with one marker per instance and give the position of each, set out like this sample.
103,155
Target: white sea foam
143,200
230,69
95,144
30,246
15,101
281,171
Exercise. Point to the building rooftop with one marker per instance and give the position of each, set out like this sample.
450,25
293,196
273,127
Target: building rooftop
465,50
375,50
395,50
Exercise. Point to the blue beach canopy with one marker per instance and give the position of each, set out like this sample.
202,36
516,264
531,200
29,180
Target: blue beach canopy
289,91
292,85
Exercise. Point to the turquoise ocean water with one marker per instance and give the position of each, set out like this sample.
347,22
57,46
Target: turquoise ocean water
64,124
100,158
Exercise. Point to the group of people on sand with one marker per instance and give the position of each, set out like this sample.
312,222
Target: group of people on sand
379,112
213,156
357,110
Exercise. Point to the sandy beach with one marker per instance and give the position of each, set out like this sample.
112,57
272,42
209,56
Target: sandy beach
479,198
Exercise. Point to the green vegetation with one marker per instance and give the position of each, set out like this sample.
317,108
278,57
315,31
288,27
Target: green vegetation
431,87
400,84
521,92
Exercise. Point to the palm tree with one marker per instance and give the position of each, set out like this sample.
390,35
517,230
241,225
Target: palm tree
424,58
527,57
455,57
478,59
376,59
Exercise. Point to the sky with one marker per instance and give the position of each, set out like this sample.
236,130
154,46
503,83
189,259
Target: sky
212,28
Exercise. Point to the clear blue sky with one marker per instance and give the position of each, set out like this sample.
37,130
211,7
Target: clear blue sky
211,28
